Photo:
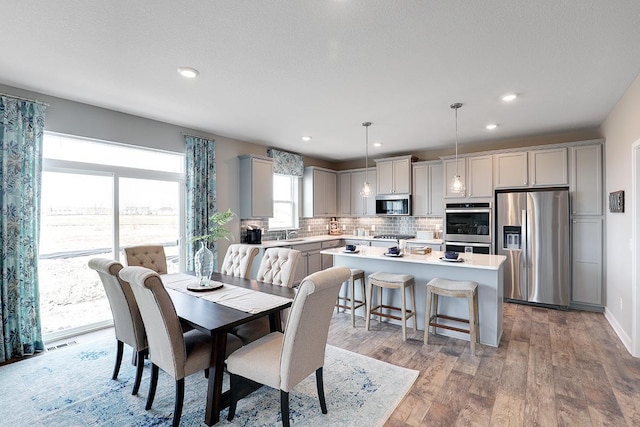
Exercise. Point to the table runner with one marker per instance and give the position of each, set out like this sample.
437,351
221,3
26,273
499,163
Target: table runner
236,297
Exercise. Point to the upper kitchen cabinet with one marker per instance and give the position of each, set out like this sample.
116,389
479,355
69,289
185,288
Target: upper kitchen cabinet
536,168
363,206
319,192
344,193
256,187
586,180
427,189
548,167
511,170
394,175
475,172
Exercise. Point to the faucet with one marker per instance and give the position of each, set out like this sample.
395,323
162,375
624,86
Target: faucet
289,233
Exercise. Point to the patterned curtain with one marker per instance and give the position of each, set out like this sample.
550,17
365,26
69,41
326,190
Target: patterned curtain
286,163
21,130
201,193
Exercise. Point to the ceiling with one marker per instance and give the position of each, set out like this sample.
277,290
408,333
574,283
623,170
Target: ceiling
271,72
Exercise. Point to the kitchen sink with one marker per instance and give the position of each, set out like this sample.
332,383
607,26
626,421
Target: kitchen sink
297,239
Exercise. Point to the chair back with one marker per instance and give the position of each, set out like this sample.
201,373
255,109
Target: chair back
238,260
127,321
166,340
278,266
148,256
305,337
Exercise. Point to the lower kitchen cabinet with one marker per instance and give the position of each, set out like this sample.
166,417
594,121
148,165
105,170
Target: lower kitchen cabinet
587,279
327,260
310,260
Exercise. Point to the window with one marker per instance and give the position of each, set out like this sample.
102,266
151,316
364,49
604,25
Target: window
285,202
95,200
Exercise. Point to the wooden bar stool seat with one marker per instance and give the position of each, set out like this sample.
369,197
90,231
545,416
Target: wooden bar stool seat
356,274
392,281
454,289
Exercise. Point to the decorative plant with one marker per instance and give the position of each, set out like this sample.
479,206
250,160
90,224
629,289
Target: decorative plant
217,230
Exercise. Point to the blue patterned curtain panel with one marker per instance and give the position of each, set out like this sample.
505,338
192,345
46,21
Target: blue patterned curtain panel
201,193
21,131
286,163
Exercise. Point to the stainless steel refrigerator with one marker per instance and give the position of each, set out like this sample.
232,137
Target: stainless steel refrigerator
532,231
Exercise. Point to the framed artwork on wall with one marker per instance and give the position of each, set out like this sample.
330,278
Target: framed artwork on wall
616,201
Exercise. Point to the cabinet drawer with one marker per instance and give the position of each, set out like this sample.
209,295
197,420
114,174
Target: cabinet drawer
331,244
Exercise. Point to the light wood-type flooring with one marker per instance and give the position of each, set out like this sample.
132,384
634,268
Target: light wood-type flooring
565,368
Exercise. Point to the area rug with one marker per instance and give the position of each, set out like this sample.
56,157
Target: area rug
72,386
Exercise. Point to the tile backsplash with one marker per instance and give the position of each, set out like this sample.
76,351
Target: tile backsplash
350,225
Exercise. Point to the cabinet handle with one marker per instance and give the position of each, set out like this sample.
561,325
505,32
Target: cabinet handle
575,222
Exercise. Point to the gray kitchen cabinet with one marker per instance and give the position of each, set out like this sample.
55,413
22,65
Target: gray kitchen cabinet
535,168
548,167
511,170
363,206
475,172
344,194
256,187
586,180
319,193
427,189
394,175
356,242
310,260
327,260
587,281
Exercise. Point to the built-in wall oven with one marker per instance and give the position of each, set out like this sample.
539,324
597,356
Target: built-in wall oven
468,225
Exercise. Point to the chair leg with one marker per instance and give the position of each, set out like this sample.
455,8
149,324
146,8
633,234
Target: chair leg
353,301
368,305
152,386
403,310
427,317
116,368
139,367
320,385
233,398
177,412
284,408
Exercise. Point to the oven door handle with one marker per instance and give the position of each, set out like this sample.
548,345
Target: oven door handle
468,211
477,245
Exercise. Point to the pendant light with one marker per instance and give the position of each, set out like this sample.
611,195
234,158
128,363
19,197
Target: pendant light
366,188
457,186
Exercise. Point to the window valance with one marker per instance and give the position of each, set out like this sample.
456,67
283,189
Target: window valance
286,163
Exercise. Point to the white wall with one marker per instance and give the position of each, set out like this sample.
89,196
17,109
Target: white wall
621,129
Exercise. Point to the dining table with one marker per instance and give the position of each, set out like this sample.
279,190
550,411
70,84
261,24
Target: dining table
218,311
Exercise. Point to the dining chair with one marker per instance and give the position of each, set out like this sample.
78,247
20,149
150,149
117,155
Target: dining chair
238,260
178,354
149,256
127,321
278,267
282,360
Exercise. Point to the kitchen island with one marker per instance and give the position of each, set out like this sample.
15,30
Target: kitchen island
486,270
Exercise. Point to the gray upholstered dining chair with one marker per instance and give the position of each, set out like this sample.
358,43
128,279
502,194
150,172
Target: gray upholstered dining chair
278,267
127,321
238,260
281,360
149,256
178,354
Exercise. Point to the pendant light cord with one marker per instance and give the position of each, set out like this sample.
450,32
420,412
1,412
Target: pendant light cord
457,141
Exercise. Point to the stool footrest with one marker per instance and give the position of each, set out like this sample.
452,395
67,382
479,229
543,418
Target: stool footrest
433,321
357,304
377,311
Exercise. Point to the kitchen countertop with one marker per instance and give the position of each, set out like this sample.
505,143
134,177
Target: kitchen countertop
328,238
477,261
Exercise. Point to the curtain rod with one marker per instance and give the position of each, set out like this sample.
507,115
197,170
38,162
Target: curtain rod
197,136
22,98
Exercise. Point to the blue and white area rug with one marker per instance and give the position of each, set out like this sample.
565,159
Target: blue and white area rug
72,386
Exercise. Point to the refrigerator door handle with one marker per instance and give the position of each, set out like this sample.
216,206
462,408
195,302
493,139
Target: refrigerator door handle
524,240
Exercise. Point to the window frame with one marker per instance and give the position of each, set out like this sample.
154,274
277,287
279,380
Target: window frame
294,200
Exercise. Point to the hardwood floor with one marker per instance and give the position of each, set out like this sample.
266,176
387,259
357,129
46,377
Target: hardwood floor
565,368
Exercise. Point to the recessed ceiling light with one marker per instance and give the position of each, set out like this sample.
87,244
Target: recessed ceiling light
188,72
492,126
509,97
377,144
306,138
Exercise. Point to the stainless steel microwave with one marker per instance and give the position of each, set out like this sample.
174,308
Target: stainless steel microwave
393,204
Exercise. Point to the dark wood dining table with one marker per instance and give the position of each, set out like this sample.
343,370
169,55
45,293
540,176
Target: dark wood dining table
218,320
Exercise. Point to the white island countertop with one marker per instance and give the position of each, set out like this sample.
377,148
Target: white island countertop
487,262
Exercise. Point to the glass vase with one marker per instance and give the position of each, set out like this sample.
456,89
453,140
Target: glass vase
203,261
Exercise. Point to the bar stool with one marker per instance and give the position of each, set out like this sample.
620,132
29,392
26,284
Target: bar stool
356,274
392,281
455,289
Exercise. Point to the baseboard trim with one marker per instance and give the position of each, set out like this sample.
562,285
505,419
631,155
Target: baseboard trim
626,340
